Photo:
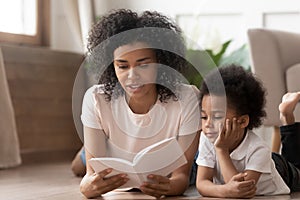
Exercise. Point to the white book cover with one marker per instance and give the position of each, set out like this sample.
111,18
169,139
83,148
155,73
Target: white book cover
161,158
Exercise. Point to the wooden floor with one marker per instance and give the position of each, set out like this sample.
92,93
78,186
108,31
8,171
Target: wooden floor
47,181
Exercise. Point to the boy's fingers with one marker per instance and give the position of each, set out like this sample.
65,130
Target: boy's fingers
249,184
235,128
239,176
228,125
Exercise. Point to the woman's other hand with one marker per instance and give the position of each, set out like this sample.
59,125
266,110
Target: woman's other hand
95,184
158,186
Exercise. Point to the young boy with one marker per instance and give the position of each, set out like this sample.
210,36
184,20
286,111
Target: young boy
233,161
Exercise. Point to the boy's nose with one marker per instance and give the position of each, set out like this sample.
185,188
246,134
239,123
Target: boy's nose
209,123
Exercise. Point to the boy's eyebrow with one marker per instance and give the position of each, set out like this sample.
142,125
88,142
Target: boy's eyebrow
218,111
214,111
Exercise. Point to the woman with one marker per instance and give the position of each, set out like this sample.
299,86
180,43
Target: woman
140,99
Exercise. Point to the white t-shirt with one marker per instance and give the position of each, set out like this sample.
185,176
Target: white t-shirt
252,154
130,132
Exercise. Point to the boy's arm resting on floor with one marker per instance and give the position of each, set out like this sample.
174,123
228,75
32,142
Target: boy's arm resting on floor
234,188
228,169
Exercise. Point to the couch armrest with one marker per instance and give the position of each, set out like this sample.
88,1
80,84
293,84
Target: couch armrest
267,65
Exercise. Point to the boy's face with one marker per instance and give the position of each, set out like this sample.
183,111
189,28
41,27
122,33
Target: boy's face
213,114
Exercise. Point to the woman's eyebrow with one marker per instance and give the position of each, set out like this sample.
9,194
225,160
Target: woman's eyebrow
143,59
120,60
138,60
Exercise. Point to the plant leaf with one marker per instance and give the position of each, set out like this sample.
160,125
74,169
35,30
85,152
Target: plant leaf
240,56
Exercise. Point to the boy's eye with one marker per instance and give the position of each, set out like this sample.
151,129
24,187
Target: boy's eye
204,117
218,117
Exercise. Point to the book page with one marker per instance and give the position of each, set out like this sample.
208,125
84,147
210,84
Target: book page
119,166
115,163
165,159
151,148
161,158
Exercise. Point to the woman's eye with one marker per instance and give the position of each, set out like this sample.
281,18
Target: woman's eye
143,65
204,118
122,67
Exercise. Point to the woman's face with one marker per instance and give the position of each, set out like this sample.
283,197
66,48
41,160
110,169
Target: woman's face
136,69
213,114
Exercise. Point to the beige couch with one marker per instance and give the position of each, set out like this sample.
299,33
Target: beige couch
275,57
276,60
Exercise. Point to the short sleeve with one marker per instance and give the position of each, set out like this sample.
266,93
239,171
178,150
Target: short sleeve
259,159
206,156
190,110
89,115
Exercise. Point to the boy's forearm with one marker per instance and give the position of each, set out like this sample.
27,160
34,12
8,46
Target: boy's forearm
208,189
227,168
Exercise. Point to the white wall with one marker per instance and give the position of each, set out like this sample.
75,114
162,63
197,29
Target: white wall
201,19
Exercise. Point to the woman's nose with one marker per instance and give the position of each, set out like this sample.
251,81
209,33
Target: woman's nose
133,73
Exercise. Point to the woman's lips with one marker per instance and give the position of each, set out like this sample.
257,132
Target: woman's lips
134,87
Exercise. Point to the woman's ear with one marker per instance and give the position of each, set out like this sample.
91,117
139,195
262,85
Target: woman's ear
244,121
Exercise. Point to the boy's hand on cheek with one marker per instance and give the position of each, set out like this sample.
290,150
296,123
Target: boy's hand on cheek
230,135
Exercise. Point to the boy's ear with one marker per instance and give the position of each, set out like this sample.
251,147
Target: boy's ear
244,121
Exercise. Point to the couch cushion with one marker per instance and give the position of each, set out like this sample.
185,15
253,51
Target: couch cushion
293,85
292,78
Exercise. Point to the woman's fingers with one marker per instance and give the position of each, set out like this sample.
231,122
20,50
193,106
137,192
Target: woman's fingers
157,187
105,184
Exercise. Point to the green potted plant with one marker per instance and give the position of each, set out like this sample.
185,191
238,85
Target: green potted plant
202,61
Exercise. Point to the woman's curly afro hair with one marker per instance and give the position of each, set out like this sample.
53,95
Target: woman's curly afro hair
150,28
244,92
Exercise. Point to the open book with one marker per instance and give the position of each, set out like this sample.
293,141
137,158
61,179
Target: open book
161,158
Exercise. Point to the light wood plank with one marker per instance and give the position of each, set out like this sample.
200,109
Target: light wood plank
47,181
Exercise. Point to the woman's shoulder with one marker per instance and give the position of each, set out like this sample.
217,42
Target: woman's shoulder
187,91
96,89
187,87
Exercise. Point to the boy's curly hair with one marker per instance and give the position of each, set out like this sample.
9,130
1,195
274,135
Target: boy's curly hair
151,28
244,92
